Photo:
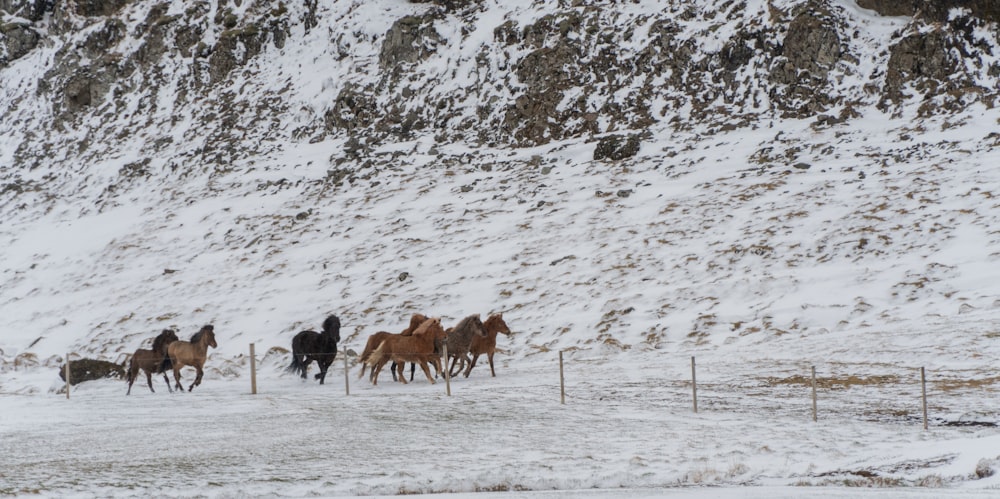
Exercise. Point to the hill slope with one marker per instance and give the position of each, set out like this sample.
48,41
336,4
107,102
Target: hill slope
804,180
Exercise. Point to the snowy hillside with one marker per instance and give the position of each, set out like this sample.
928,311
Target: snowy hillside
177,204
765,185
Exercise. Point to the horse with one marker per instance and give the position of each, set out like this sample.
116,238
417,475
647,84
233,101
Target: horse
308,346
460,339
376,339
488,345
416,348
150,360
190,353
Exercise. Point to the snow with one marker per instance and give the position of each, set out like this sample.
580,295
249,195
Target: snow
872,261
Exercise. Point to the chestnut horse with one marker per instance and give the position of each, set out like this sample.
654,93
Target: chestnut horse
416,348
150,360
376,339
308,346
488,345
191,353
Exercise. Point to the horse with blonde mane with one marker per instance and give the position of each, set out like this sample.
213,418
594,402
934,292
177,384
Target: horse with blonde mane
376,339
416,348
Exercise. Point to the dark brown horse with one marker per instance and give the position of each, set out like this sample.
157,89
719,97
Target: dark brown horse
416,348
150,361
308,346
191,353
487,345
460,339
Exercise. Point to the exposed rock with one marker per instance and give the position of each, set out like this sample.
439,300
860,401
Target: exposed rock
408,41
616,147
16,40
934,10
810,50
234,48
921,58
33,10
92,8
91,369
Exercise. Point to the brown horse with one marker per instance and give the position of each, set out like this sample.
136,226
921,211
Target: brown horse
150,360
488,345
460,339
191,353
417,348
376,339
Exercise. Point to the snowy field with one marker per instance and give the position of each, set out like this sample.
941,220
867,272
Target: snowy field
625,430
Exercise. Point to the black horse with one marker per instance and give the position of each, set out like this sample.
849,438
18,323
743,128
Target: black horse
308,346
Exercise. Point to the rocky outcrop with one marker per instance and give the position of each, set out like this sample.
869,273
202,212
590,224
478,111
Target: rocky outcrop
16,40
934,10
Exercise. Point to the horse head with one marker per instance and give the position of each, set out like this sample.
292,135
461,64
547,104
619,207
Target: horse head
208,333
331,326
479,327
496,324
432,327
165,338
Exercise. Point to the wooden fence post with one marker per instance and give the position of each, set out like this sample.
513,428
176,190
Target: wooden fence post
923,393
447,372
347,381
68,384
694,386
562,380
253,371
814,392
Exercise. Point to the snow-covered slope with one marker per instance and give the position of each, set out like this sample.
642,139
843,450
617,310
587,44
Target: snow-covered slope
863,233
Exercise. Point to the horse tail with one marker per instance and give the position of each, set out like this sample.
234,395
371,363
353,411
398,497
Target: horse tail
377,356
298,365
166,364
128,372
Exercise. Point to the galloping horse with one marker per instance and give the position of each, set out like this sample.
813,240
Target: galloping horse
190,353
308,346
488,345
376,339
150,360
417,348
460,339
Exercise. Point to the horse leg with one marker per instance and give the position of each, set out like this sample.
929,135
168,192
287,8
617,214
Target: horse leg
413,368
197,379
305,365
471,365
323,368
427,372
167,381
177,377
489,356
130,378
392,369
400,367
149,380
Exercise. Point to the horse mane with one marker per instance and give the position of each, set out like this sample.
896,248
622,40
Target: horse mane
196,337
163,339
468,323
332,326
427,324
415,322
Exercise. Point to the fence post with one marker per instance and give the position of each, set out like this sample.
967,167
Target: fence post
923,393
694,386
253,371
814,392
68,384
347,381
562,380
447,372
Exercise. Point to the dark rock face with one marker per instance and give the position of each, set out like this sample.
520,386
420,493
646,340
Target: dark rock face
616,147
811,48
935,10
32,10
16,40
409,40
922,58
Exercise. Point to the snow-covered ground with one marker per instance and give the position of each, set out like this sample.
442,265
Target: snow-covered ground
626,429
866,249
